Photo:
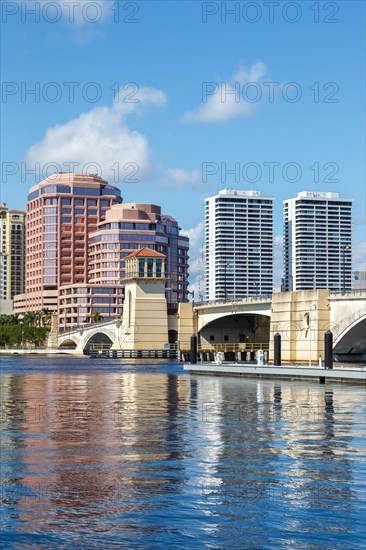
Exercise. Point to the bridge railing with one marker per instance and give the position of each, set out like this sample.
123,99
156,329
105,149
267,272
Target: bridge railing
234,301
225,346
354,292
99,347
85,326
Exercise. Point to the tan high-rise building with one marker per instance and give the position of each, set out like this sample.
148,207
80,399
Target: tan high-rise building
128,227
61,212
12,254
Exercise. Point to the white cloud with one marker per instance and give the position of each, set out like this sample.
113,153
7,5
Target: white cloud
196,263
218,105
181,179
100,137
195,234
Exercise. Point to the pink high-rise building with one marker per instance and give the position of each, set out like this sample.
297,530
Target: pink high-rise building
62,211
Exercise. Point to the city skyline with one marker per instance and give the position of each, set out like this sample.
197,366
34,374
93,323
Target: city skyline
231,111
198,282
183,189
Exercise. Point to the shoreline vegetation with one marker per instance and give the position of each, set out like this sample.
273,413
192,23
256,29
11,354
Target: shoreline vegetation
26,332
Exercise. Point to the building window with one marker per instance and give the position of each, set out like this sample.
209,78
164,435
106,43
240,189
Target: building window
212,338
150,265
226,338
158,268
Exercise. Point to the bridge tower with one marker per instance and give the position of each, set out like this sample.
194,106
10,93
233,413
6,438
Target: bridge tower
145,317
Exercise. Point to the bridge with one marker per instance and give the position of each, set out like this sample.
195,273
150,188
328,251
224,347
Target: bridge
102,335
300,317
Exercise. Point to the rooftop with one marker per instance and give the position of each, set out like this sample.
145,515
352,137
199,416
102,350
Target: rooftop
145,253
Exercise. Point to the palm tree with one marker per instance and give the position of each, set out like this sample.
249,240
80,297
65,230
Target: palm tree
29,318
97,316
12,319
38,318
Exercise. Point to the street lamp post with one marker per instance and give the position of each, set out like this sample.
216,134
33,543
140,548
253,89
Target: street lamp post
92,303
344,248
65,318
291,282
191,292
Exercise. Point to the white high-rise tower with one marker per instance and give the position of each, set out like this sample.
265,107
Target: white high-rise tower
238,244
317,241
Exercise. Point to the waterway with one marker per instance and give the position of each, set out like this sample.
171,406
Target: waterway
115,454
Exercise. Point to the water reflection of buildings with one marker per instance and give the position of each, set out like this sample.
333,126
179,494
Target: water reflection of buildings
277,441
126,443
86,440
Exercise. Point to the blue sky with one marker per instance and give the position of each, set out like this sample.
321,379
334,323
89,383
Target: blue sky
297,72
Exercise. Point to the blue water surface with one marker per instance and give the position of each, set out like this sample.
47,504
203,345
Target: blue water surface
103,453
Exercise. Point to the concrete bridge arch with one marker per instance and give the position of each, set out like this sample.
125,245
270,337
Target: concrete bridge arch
235,328
68,343
214,311
350,335
81,339
99,337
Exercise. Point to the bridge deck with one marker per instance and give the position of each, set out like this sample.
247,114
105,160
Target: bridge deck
291,372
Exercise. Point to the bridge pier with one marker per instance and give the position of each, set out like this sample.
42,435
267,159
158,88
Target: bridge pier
301,318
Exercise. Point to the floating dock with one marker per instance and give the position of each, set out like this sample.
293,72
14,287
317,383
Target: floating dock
291,372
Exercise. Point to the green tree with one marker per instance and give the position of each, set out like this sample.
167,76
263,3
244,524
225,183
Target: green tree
22,335
9,320
97,316
29,318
